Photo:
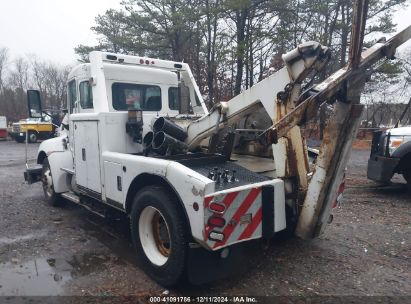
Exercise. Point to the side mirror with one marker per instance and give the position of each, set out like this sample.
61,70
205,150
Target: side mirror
184,92
34,104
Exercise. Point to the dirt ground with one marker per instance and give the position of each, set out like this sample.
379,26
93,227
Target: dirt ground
68,251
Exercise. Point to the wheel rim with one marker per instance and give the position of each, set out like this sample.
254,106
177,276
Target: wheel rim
47,182
33,137
154,236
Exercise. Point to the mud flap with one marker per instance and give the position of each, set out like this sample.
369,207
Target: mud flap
381,168
204,266
268,212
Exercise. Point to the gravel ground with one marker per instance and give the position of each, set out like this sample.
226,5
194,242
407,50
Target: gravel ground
68,251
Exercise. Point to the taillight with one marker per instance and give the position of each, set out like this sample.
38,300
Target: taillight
216,221
217,208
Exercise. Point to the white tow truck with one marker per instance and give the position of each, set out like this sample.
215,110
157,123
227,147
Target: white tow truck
139,138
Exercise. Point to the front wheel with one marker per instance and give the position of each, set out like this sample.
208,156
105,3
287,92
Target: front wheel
159,234
52,197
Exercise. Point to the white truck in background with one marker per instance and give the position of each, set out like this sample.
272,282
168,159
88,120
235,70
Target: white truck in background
390,154
3,127
139,138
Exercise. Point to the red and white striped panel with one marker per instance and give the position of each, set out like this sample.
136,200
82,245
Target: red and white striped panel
243,217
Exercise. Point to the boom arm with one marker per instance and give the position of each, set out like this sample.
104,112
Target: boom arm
341,130
299,63
279,94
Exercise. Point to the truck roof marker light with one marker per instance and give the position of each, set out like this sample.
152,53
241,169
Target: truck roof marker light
141,61
216,221
147,61
178,65
217,208
216,236
152,62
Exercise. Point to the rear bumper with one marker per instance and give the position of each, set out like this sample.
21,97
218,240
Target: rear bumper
253,212
17,134
3,133
381,168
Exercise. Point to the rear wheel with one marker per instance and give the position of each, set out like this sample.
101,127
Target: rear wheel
32,137
52,197
159,235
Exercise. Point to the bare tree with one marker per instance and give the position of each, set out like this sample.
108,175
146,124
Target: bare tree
3,64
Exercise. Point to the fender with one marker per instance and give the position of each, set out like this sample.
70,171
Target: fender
59,157
402,150
189,184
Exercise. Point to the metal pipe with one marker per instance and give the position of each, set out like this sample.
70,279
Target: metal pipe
165,144
169,127
148,140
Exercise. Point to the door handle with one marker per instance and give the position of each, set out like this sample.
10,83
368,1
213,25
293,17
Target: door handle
83,154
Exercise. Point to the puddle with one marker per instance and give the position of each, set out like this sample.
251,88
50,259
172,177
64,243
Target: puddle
40,277
46,277
87,264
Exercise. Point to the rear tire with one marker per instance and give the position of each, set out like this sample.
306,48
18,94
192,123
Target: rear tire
52,198
159,234
32,137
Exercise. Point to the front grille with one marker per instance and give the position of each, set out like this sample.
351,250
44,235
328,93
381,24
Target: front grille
16,128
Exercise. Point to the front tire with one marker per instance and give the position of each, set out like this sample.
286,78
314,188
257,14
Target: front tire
159,234
51,196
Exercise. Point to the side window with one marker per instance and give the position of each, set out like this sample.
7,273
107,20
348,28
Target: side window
173,99
137,96
72,94
86,95
198,103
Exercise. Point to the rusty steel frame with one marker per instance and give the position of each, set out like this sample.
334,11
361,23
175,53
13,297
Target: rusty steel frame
342,89
329,88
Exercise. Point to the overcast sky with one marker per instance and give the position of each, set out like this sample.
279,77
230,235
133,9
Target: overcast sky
52,28
49,28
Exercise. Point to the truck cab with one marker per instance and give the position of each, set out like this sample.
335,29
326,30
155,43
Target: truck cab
37,128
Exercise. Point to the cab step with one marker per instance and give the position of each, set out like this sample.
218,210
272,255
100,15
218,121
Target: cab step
86,203
68,171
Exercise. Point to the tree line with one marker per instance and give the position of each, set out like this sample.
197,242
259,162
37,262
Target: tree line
22,73
229,44
232,44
